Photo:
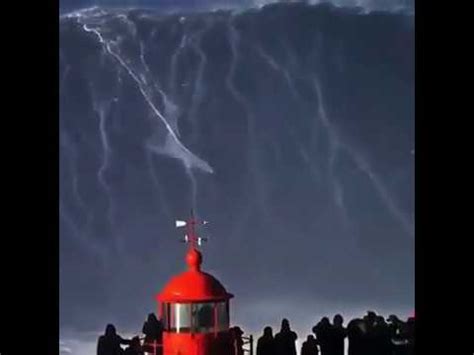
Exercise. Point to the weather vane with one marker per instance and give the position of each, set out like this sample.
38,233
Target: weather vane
191,236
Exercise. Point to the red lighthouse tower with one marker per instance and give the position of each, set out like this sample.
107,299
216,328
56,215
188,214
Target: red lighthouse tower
195,306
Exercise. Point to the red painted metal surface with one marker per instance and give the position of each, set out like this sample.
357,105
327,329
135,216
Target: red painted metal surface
193,286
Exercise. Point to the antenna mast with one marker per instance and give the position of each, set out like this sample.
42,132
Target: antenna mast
191,236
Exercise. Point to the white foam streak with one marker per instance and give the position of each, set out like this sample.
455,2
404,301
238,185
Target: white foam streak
174,63
234,39
198,89
173,147
361,163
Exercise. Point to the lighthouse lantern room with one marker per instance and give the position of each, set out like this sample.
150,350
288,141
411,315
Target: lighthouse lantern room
194,306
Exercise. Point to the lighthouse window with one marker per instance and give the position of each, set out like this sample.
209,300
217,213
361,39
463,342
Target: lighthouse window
222,316
196,317
178,317
208,315
203,317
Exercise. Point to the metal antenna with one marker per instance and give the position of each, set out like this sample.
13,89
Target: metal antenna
191,236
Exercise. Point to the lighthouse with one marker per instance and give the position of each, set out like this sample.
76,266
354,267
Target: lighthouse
194,306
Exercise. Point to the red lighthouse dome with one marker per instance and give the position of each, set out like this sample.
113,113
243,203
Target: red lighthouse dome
193,285
194,307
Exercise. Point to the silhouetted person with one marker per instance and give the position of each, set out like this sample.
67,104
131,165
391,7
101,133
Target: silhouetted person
322,330
370,318
237,341
356,333
153,330
380,337
266,343
370,321
337,335
397,335
393,324
310,346
285,340
134,348
410,335
109,343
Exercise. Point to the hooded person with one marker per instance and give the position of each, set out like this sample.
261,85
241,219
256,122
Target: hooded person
153,330
109,343
322,331
337,334
266,343
285,340
237,341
